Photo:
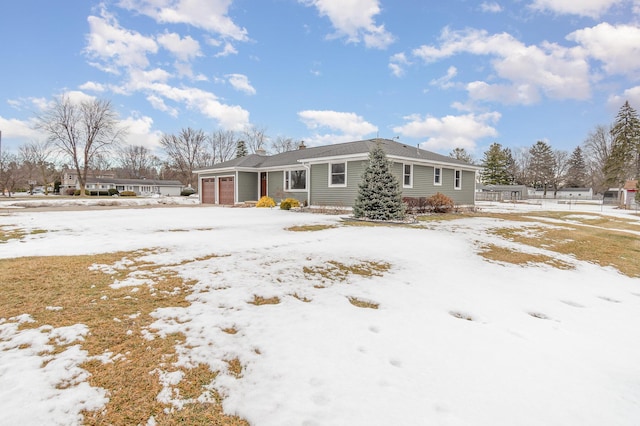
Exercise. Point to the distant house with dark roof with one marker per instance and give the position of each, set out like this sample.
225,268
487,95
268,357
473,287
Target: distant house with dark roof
329,175
107,180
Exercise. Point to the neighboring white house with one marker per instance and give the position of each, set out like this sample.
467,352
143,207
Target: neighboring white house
107,180
625,195
563,193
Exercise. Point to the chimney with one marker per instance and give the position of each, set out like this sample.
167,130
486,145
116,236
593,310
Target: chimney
302,145
261,151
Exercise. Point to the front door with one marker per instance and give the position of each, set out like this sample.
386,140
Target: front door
263,184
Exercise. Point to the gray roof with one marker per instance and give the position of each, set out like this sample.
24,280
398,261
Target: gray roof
152,182
289,158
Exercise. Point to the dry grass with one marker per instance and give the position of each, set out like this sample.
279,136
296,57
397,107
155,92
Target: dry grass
116,319
338,271
259,300
606,241
9,233
305,228
360,303
502,254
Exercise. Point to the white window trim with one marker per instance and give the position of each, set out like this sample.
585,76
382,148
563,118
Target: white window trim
284,180
434,176
457,187
410,184
339,185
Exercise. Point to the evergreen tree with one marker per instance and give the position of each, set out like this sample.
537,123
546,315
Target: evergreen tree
577,171
624,161
541,167
512,167
241,149
461,154
379,196
494,165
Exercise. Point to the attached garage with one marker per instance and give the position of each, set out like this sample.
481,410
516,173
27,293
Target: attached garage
226,192
208,191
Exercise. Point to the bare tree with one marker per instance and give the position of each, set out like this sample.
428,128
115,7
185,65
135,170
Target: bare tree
136,161
9,173
255,137
81,131
187,151
461,154
39,156
597,148
560,167
223,145
282,144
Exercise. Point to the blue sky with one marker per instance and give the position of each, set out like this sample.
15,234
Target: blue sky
439,74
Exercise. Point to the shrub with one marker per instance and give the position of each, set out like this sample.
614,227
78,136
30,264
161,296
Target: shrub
187,191
71,191
77,192
416,205
440,203
113,191
266,202
287,203
128,194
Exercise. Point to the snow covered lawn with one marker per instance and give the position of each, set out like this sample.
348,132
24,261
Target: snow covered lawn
441,336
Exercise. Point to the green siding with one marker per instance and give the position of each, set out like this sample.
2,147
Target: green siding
275,188
247,186
323,195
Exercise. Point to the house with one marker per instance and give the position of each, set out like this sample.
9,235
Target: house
501,192
106,181
329,175
143,187
624,196
563,193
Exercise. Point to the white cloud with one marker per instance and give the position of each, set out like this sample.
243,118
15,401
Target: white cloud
185,49
490,7
616,46
229,117
140,133
349,126
397,63
228,49
590,8
557,72
209,15
241,82
115,47
632,95
444,82
159,104
461,131
354,19
14,130
92,86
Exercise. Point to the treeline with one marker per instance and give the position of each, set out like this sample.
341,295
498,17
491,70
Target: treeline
87,138
609,156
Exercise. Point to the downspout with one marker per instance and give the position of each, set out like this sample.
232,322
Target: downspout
308,169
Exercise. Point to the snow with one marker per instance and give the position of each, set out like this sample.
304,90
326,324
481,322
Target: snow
456,340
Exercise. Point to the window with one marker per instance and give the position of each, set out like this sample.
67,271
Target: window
407,175
437,176
457,179
295,180
338,174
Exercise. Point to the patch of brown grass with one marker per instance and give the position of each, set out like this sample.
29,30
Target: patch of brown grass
502,254
259,300
605,245
360,303
306,228
235,367
338,271
301,298
116,319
